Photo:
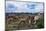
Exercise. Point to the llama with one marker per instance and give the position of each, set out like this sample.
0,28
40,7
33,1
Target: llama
36,18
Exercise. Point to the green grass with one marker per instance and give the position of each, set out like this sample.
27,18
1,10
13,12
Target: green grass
40,23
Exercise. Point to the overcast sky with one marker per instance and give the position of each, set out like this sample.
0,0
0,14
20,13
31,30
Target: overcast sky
23,7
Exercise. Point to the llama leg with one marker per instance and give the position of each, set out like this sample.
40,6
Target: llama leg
35,22
29,22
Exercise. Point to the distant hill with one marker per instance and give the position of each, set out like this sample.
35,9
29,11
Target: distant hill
11,14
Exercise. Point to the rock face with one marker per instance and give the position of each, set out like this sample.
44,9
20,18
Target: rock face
19,21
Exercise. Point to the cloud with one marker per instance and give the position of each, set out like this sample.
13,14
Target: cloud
23,7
